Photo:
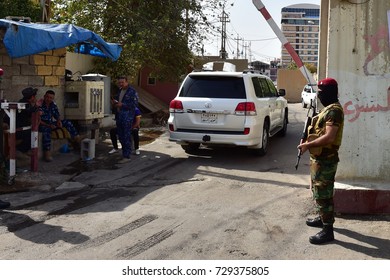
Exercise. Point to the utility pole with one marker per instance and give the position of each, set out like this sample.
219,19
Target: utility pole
245,48
238,43
250,52
224,19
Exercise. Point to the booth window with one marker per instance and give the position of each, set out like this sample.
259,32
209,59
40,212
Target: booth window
151,81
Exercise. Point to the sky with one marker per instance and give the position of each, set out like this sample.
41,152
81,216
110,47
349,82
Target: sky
247,23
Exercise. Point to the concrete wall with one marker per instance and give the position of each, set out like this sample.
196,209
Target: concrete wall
358,57
293,82
43,71
79,64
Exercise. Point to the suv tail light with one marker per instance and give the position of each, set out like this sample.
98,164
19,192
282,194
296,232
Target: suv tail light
176,106
246,109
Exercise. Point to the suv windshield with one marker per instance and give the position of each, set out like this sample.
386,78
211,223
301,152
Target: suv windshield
214,87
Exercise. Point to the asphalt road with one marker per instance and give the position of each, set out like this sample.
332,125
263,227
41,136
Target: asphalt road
220,204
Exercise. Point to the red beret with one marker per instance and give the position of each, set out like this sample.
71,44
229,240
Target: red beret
327,82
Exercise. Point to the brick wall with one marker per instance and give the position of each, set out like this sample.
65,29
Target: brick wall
43,71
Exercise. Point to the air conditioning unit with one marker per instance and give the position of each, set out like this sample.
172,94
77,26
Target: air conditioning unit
84,100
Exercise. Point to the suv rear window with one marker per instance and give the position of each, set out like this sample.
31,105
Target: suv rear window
214,87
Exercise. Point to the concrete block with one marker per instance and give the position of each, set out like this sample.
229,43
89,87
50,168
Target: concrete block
44,70
51,81
37,59
59,52
52,60
7,61
36,81
25,60
58,70
28,70
19,80
47,53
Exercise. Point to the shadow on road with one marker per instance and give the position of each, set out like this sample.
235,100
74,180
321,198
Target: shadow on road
37,231
376,247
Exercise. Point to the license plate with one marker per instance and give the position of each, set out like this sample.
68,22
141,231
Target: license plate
209,118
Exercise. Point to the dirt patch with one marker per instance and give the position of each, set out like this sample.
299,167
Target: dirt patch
25,179
149,135
16,187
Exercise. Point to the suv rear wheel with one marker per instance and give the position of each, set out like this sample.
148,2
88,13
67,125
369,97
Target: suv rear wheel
190,147
264,141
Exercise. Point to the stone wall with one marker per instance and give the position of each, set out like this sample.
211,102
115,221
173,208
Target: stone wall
43,71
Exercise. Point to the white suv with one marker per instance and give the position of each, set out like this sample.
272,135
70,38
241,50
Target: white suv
234,108
308,95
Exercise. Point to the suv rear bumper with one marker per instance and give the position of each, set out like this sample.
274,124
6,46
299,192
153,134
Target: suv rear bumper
213,138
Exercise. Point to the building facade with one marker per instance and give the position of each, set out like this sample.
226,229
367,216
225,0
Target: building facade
300,24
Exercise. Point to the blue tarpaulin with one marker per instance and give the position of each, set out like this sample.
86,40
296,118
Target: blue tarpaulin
22,39
89,49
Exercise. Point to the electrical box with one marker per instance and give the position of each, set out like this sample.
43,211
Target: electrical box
84,100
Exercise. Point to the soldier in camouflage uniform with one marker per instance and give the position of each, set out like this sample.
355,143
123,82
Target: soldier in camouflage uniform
324,140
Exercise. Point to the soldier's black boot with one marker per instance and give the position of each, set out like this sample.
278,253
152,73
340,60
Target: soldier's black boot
4,204
315,222
325,235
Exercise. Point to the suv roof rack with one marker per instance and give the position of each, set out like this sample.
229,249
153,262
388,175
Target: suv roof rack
253,71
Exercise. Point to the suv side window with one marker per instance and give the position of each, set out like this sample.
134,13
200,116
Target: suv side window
273,90
264,86
214,87
257,86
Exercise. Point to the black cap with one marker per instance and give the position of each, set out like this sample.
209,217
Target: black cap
28,92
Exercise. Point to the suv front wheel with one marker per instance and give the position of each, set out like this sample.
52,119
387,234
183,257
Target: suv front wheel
283,131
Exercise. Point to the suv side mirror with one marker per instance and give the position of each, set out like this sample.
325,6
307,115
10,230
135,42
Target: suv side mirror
281,92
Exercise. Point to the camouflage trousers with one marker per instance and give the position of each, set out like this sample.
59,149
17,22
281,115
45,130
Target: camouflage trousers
322,179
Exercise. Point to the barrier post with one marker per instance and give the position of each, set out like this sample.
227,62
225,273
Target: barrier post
12,140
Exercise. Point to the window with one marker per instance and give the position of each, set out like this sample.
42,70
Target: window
265,88
214,87
272,88
151,81
257,87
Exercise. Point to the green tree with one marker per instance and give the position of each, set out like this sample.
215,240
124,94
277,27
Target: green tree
157,33
20,8
310,66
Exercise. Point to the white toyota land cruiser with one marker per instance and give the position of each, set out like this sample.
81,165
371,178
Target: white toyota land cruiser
229,108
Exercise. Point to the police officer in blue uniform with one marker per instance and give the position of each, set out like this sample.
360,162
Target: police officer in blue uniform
125,103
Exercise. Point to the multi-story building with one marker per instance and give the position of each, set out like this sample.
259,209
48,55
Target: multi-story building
301,26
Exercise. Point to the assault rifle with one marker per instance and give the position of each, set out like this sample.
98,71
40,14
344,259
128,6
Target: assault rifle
311,112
